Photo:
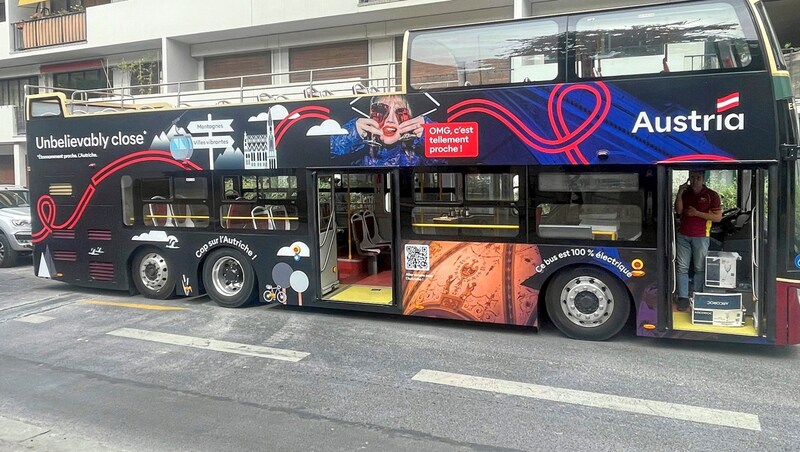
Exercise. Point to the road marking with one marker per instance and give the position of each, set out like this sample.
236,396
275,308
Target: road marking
593,399
34,318
152,307
211,344
15,431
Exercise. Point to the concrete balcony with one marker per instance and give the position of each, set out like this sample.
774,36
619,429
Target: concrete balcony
50,31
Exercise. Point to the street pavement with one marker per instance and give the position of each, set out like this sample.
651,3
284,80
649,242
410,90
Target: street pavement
99,370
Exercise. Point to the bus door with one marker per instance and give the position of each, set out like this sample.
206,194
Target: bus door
726,290
357,235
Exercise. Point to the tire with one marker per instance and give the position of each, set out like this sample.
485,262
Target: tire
229,278
8,257
153,274
587,303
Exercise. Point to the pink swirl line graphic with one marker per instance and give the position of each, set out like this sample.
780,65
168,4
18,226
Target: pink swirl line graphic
46,205
312,111
566,141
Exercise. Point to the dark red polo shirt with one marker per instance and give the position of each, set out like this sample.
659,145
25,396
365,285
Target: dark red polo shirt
705,201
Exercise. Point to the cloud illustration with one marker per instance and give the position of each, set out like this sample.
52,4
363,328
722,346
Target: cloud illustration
278,112
263,116
298,249
328,127
152,236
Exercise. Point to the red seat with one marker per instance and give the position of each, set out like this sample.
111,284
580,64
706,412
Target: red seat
239,216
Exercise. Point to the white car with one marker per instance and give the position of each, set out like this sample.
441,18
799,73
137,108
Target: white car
15,224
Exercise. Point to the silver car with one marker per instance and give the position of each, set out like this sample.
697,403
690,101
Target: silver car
15,224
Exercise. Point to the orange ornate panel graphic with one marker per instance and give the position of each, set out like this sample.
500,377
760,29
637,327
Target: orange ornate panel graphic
479,282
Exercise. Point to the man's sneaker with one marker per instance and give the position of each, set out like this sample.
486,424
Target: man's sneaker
683,304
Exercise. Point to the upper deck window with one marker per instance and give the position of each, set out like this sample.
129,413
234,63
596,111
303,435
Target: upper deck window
513,52
664,39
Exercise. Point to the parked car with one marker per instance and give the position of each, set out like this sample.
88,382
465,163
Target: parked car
15,224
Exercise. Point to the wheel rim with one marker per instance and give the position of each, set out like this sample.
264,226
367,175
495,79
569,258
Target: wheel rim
227,276
2,251
153,271
587,301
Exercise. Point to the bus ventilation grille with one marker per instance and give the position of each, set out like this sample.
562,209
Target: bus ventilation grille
99,234
64,234
101,271
67,256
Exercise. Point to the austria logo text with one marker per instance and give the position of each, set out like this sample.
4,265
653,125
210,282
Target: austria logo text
695,121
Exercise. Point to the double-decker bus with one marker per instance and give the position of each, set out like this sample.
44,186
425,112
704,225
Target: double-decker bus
517,167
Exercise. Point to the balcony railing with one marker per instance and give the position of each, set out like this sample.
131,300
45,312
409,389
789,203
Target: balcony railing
50,31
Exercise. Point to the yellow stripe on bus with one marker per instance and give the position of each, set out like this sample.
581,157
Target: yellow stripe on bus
472,226
151,307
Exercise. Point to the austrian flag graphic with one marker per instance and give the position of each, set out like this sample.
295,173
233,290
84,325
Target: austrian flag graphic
727,102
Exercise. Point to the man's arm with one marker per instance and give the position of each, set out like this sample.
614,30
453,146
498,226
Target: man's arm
679,199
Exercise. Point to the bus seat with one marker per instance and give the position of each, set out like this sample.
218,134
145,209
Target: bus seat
160,214
281,218
371,225
363,246
311,92
262,223
238,216
183,214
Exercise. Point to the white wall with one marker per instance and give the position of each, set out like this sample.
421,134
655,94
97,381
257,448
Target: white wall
178,64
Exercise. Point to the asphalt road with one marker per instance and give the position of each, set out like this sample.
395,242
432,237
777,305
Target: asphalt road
84,370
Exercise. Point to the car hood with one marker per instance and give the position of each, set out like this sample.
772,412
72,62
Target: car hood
16,213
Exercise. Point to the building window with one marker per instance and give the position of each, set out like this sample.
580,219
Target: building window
57,6
351,57
93,79
250,66
12,91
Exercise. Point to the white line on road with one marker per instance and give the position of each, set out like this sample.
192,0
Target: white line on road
593,399
34,318
211,344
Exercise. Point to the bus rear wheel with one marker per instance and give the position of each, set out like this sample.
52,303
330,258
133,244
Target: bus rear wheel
228,278
152,275
587,303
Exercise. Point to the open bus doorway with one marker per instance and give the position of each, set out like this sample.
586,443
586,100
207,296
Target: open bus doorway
356,212
726,294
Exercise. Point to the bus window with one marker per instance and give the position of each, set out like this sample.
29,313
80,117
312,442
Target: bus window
591,206
480,206
518,52
128,209
796,217
260,203
173,202
664,40
438,187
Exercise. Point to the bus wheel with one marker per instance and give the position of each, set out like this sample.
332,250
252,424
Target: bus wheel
228,278
152,275
587,303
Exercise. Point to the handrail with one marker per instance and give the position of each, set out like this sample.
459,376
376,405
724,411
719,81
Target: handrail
381,78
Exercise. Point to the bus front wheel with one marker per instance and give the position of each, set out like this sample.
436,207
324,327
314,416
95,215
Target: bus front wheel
152,274
228,278
587,303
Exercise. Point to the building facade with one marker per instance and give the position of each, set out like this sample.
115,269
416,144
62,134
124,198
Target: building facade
97,44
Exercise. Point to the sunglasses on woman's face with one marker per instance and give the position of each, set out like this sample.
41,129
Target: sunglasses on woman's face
379,111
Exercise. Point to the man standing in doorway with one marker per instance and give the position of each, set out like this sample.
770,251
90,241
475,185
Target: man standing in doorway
698,207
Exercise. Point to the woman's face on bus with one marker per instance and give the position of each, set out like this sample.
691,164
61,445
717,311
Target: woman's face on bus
389,112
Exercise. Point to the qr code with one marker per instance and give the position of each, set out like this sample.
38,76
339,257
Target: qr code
417,257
